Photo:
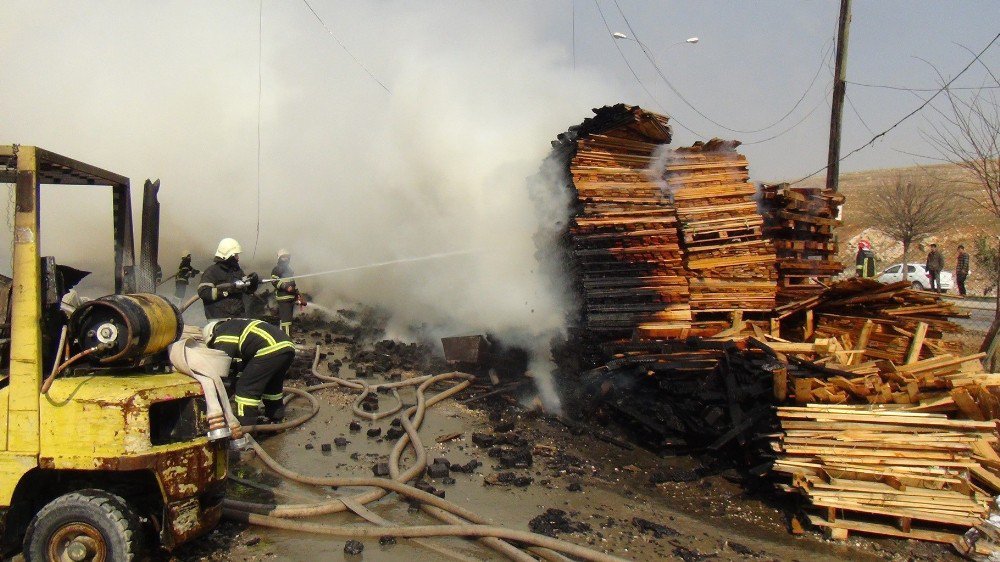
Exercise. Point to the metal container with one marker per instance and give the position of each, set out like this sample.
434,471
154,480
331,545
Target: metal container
132,326
471,350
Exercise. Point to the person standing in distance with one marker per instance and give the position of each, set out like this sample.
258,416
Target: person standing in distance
934,265
962,269
224,284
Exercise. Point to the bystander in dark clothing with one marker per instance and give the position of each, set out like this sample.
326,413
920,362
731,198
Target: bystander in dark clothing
934,265
962,269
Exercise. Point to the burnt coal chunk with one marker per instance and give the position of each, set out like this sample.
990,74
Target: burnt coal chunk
657,529
353,548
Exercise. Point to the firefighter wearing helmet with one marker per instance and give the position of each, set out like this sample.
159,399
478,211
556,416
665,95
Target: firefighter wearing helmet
285,292
185,271
223,285
865,260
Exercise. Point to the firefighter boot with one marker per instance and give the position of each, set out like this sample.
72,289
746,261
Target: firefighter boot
247,411
274,407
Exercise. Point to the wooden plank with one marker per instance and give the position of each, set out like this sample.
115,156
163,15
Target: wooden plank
913,354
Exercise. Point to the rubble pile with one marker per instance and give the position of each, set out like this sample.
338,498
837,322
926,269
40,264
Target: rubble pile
800,221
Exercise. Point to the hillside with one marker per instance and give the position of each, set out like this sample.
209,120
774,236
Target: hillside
859,188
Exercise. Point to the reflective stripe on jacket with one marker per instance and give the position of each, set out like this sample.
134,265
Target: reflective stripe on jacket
243,339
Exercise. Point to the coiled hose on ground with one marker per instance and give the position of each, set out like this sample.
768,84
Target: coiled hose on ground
457,521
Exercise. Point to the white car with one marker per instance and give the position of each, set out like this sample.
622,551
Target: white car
916,274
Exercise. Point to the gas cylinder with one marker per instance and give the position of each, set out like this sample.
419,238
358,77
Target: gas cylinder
131,327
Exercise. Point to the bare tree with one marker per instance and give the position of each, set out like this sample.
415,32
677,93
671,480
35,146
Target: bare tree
968,136
910,209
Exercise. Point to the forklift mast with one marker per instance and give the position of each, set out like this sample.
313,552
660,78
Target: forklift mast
29,167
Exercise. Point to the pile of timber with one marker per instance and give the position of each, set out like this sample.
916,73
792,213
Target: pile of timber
800,221
713,396
623,232
890,471
732,263
866,342
656,233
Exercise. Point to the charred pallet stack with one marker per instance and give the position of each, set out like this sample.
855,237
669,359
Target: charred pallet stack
800,221
689,394
623,233
732,264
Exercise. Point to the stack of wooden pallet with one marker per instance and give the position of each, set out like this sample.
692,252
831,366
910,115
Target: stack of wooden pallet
890,471
800,221
732,264
624,232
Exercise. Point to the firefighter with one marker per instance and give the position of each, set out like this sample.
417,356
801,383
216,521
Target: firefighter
185,271
864,262
285,291
224,284
263,354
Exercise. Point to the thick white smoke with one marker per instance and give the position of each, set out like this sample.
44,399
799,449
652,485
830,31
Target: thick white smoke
350,175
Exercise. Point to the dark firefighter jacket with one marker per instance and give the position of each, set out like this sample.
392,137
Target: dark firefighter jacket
865,263
243,339
219,303
185,271
283,290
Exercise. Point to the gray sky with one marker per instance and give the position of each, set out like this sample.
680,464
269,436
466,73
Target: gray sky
753,62
351,174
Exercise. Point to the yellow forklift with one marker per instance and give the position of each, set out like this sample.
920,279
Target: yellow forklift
104,449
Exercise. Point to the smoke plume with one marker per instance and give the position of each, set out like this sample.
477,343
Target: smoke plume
349,174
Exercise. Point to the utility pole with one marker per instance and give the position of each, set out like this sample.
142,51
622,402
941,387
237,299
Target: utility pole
839,89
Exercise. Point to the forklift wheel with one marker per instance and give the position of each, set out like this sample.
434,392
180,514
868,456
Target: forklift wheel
91,525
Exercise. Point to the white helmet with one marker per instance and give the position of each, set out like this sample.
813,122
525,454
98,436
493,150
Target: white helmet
206,332
228,247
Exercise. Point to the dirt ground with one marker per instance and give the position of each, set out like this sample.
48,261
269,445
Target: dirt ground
603,492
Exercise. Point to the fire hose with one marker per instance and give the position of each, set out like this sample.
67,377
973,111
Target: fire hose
458,521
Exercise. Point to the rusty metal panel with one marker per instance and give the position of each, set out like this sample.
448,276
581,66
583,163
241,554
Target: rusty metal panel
464,349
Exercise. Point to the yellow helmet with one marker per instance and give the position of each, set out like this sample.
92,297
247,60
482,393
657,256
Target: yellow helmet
228,247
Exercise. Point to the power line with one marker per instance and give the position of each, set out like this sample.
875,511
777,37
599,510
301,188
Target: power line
636,76
910,114
823,101
652,61
857,114
905,89
260,83
344,47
